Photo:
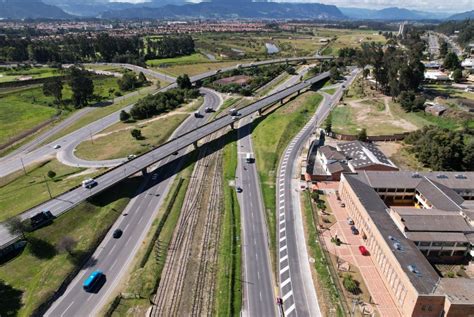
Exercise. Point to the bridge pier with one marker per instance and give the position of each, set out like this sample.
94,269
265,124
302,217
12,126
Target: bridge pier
281,101
195,144
145,171
232,126
299,92
259,112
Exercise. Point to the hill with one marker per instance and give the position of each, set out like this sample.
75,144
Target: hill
233,9
30,9
390,14
462,16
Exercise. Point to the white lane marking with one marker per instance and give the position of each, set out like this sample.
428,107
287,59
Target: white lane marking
284,258
285,282
258,275
282,230
283,248
113,247
282,189
287,295
289,310
282,201
282,207
283,270
282,239
282,221
282,195
67,309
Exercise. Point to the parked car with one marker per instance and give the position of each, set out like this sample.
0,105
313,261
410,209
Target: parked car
117,233
354,230
363,250
350,221
343,205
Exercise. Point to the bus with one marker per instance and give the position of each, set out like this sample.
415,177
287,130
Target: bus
90,283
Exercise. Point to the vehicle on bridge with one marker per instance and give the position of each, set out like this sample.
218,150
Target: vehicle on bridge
93,281
89,183
234,112
197,114
41,219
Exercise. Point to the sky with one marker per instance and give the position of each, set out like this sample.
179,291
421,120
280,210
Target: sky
424,5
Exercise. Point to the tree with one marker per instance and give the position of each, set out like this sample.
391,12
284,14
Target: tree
128,81
184,82
334,74
451,61
137,134
82,87
124,116
457,75
443,48
54,88
350,284
66,244
362,135
328,124
315,196
51,174
16,227
291,70
142,78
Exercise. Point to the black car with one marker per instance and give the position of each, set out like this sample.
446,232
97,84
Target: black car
117,233
239,189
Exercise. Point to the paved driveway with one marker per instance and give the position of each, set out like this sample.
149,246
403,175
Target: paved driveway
349,252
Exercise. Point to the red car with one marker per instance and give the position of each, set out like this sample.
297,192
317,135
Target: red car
363,250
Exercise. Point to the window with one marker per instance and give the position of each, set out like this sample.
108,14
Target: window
424,243
449,244
392,190
423,307
437,244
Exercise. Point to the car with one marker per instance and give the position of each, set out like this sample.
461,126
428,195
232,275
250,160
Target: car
175,153
208,110
343,205
363,250
239,189
131,157
117,233
354,230
235,118
89,183
57,146
350,221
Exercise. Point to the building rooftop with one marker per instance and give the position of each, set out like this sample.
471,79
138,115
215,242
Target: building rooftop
440,196
437,236
457,290
426,279
436,223
331,153
361,154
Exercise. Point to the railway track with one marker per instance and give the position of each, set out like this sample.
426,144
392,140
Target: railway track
203,200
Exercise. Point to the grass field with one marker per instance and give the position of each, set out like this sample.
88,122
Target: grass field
15,187
195,68
270,137
21,110
120,143
32,73
348,38
101,112
182,60
228,300
40,269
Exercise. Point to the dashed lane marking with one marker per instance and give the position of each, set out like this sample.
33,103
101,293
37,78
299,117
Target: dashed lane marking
283,248
284,258
287,295
285,282
289,310
283,270
282,239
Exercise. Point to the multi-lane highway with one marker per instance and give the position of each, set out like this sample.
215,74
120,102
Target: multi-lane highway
114,256
72,198
294,274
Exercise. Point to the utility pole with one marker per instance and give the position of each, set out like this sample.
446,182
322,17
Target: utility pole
47,186
23,165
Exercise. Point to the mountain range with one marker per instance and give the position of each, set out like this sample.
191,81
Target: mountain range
214,9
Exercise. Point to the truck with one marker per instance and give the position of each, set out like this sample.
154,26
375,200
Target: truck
249,158
41,219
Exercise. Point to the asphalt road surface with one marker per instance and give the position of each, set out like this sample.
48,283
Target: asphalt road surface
15,163
296,284
75,196
114,256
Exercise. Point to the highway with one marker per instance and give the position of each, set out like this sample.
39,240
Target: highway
294,273
75,196
16,162
433,44
114,256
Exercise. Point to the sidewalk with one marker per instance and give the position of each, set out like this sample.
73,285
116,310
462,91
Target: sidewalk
349,252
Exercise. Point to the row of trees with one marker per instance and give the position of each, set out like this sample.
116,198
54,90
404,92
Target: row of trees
162,102
442,149
86,48
465,29
130,81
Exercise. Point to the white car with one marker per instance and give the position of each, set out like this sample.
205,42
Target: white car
57,146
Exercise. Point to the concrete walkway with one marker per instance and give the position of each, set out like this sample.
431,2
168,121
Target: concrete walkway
349,251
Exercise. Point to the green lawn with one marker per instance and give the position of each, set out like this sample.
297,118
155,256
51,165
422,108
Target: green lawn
35,73
193,69
189,59
19,192
120,143
270,137
40,269
228,300
21,110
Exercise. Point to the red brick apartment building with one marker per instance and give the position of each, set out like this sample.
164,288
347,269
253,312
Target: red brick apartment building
410,221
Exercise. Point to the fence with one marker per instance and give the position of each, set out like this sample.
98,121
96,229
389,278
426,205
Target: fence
352,137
